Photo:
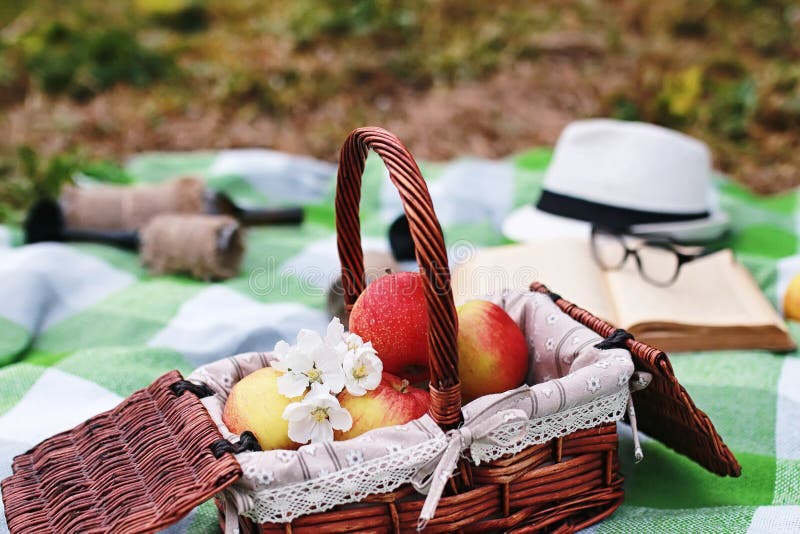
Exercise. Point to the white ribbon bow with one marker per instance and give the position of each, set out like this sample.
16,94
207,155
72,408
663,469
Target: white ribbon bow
639,380
432,477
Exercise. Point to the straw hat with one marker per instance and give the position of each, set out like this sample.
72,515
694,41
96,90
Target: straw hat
629,176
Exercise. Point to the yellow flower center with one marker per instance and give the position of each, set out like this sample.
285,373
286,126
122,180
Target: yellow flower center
314,375
319,414
352,344
360,371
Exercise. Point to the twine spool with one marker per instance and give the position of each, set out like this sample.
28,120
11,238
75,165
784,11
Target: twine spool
205,246
113,207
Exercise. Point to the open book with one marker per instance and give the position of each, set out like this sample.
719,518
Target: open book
714,303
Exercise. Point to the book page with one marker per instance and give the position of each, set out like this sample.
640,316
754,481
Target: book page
565,266
712,291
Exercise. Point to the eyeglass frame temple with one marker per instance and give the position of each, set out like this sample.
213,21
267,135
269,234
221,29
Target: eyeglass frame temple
654,240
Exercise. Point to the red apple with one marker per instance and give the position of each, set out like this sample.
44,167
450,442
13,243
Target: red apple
391,313
492,352
393,402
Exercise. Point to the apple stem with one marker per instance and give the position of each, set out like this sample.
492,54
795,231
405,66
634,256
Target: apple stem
404,385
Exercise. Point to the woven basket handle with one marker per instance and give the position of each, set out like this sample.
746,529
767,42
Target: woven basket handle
445,387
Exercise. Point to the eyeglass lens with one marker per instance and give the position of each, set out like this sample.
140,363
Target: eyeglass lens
609,249
657,262
658,265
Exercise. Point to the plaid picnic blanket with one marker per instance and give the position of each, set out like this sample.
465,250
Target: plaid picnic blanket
82,326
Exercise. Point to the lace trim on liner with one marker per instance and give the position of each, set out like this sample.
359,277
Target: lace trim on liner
351,484
386,474
605,409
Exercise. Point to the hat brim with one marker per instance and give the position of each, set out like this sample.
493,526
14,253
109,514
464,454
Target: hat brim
528,224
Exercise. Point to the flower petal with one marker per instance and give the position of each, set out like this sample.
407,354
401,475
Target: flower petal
371,381
335,332
281,349
322,432
308,341
319,394
334,380
297,411
301,431
354,386
292,385
340,419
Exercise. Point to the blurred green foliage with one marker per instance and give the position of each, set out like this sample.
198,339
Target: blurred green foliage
726,71
28,176
81,61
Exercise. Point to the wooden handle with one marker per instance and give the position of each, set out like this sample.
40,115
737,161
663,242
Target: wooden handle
431,255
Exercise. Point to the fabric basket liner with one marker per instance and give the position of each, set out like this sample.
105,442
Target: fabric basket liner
664,409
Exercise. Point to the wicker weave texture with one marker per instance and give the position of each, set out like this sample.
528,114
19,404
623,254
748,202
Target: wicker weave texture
664,409
404,173
137,468
567,483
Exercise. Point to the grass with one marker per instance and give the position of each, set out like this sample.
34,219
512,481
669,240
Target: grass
104,80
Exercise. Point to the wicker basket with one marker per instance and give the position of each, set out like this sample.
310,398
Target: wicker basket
145,464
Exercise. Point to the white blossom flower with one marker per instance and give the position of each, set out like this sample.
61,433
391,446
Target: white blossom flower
550,344
362,367
313,360
316,416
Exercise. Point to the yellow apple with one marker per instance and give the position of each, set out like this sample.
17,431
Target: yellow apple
393,402
791,299
254,404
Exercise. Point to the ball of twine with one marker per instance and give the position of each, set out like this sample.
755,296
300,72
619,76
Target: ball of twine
113,207
209,247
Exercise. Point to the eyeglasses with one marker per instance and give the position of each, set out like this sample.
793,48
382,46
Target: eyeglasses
658,258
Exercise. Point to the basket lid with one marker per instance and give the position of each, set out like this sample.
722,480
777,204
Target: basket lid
139,467
664,409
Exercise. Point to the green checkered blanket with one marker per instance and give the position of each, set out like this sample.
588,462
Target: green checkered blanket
82,326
